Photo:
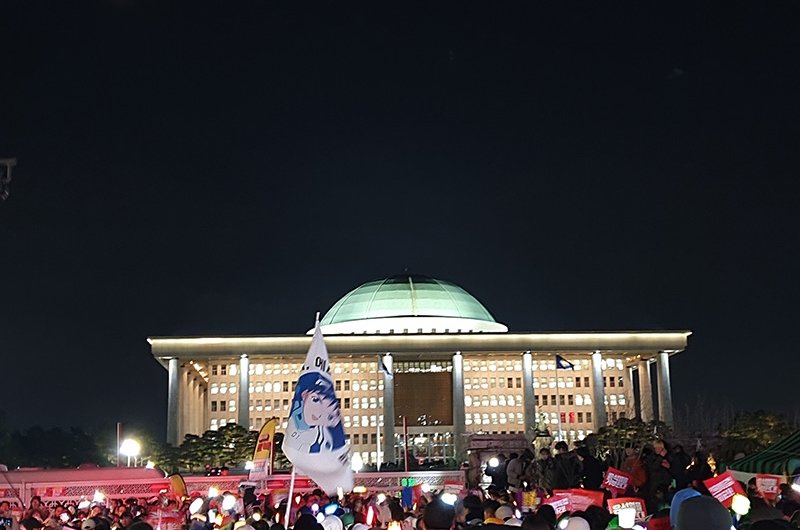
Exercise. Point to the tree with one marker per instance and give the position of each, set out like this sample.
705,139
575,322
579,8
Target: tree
754,431
611,440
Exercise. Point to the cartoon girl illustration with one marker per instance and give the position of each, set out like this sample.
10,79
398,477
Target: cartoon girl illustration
315,412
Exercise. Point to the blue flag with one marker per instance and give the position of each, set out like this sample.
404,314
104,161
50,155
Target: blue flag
563,364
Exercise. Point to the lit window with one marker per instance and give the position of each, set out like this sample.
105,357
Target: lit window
214,388
233,369
231,406
259,369
578,399
276,386
232,389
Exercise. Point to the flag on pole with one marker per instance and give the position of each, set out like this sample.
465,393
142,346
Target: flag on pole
314,442
383,368
265,447
563,364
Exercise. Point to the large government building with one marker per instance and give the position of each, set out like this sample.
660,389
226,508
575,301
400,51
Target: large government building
452,371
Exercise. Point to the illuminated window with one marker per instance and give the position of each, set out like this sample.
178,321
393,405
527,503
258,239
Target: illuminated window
578,399
214,388
231,406
233,369
259,368
276,386
232,389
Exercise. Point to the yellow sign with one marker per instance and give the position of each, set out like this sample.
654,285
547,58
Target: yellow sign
265,448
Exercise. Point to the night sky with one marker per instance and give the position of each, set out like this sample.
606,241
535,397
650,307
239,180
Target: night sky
233,167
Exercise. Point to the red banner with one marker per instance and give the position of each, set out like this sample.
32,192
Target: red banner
723,488
560,503
616,481
580,499
615,505
769,486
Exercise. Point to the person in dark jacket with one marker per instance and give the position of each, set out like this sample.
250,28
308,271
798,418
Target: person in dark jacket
592,469
567,468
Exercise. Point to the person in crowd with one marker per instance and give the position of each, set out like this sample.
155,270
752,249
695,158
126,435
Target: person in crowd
699,470
438,515
591,469
702,513
633,466
548,513
498,473
469,512
489,512
7,519
543,470
679,466
567,472
515,472
37,509
658,474
535,521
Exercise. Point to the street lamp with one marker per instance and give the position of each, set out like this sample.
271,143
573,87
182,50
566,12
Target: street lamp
130,448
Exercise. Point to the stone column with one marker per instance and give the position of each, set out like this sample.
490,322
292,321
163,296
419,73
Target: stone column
174,402
459,416
645,392
630,395
529,400
598,392
664,389
243,416
388,408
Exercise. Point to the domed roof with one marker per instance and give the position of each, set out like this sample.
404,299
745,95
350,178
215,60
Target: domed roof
408,304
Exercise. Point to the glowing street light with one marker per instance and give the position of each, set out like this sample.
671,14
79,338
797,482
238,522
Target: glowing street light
130,448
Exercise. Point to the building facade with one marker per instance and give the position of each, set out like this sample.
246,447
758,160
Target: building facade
450,370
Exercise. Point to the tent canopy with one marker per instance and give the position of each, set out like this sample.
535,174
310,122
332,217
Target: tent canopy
780,458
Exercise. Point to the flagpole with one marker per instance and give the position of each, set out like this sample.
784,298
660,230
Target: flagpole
377,419
291,498
558,406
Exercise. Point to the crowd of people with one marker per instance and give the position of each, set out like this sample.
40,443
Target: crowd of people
669,482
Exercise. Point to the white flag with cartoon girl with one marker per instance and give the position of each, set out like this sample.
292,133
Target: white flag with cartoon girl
314,441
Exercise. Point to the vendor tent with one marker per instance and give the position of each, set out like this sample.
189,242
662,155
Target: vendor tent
780,458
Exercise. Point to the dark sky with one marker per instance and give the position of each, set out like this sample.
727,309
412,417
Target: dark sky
233,167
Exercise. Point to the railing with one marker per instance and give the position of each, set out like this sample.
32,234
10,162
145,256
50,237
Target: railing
20,493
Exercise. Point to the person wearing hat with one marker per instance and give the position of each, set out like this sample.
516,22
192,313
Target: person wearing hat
702,513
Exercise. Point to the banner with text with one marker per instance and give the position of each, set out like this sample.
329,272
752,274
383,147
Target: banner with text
723,488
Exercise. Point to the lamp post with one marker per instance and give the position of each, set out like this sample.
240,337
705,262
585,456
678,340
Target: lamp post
130,448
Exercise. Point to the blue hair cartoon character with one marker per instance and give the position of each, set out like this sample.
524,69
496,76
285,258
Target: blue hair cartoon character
315,411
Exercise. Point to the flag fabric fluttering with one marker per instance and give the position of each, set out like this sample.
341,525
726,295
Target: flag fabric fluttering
314,441
383,367
264,451
563,364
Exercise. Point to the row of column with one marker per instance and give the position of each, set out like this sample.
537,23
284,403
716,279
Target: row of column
529,399
187,402
180,415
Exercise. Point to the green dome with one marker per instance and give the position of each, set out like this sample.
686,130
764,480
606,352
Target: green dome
411,296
